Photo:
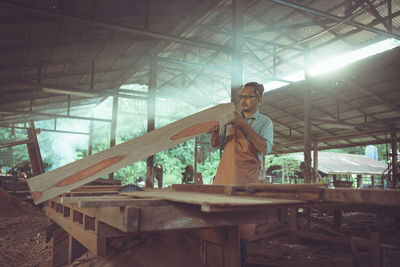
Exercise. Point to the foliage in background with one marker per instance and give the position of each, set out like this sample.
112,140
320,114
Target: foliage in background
11,156
290,163
58,149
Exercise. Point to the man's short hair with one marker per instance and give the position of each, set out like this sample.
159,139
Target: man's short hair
258,88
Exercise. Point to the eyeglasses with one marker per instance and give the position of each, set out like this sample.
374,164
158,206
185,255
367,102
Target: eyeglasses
247,96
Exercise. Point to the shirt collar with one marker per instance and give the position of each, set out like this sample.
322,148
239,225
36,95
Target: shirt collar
255,115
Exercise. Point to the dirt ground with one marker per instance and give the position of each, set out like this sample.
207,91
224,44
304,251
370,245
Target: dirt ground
22,233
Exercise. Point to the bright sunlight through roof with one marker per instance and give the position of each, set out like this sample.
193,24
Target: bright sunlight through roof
336,62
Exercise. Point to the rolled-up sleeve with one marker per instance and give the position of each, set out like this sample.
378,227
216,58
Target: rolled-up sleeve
267,132
264,127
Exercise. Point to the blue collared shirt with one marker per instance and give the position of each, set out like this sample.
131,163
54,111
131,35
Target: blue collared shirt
264,127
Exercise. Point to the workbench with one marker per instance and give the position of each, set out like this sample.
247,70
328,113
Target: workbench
95,216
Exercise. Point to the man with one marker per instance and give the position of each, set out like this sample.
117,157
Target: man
250,139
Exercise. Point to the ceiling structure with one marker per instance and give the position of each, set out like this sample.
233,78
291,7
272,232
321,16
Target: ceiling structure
59,58
356,106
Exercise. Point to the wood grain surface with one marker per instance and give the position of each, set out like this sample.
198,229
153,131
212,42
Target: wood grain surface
208,201
75,174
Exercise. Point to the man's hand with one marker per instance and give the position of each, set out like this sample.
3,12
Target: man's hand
238,121
215,129
215,136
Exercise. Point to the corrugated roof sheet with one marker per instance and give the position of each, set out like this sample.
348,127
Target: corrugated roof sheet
342,163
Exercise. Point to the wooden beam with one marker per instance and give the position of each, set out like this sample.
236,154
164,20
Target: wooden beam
73,175
362,196
17,143
111,201
34,151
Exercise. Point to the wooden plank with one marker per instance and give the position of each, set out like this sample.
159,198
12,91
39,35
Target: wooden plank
73,175
114,201
382,197
249,188
209,201
213,189
112,216
102,188
183,216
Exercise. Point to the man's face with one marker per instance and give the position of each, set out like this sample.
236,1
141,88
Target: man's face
249,99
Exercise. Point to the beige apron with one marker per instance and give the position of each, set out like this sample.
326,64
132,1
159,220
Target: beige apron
239,163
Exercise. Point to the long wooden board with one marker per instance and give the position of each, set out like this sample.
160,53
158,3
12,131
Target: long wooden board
75,174
210,201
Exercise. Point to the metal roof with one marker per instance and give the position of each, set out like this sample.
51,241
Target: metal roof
342,163
355,106
93,47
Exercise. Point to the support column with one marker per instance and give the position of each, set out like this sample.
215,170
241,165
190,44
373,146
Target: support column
151,110
75,249
307,121
237,50
34,151
113,127
359,180
390,22
315,162
395,171
91,128
337,220
307,136
195,157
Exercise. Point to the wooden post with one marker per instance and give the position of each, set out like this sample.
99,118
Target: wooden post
237,49
397,223
232,247
337,220
375,249
221,246
307,122
90,145
293,224
75,249
195,157
395,170
34,151
359,180
113,132
372,181
315,162
151,105
60,247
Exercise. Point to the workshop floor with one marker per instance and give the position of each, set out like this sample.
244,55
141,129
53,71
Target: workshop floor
22,241
280,250
22,234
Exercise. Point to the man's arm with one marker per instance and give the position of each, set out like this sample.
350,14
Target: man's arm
257,140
